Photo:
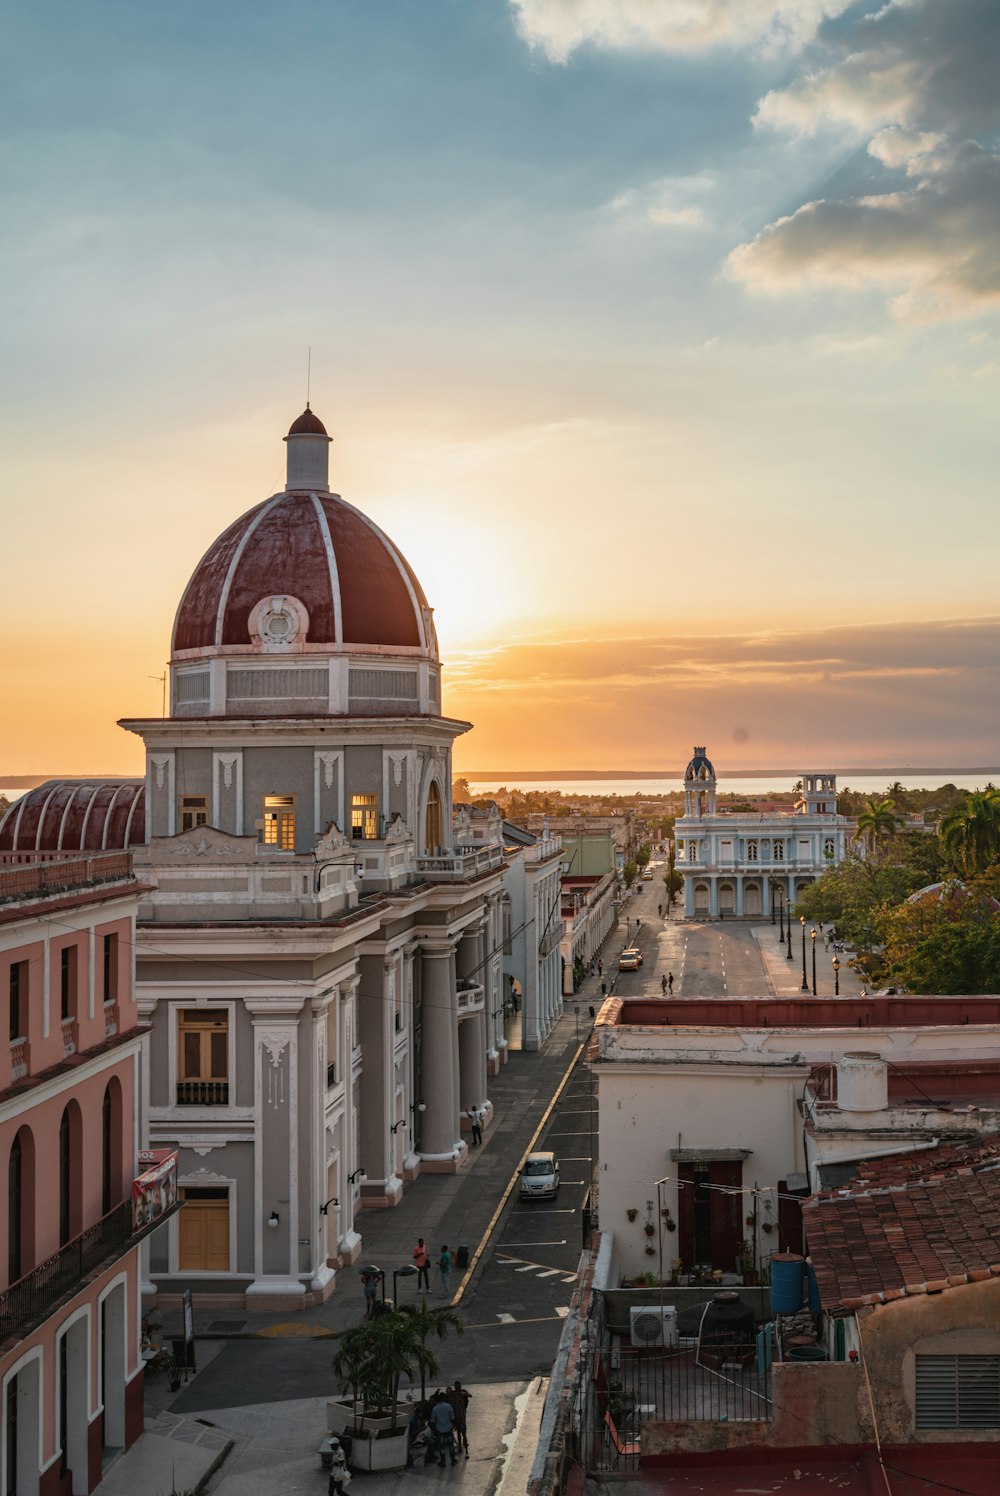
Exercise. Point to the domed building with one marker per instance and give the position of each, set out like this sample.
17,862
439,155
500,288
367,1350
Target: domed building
320,966
753,864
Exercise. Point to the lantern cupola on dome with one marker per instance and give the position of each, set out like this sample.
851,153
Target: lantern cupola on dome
308,454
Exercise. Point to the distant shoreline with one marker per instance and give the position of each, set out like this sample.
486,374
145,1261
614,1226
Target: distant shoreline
516,776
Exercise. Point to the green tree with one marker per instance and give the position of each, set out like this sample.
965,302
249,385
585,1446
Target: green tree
672,878
439,1322
970,833
643,855
877,822
946,941
628,873
375,1356
856,893
460,791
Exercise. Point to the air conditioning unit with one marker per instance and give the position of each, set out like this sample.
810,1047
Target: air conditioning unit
652,1325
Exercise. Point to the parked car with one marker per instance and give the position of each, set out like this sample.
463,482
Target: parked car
647,876
539,1177
630,959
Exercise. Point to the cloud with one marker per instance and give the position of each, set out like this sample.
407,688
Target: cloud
927,60
560,27
668,202
864,694
932,247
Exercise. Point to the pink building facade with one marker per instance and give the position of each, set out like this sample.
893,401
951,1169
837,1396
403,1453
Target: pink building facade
70,1081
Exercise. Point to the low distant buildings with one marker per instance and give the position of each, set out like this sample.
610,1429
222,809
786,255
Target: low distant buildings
742,864
589,913
591,844
75,1207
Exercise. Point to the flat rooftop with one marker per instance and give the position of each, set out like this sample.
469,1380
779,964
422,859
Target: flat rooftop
901,1012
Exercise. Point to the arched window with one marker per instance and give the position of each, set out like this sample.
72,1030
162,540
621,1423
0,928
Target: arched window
432,819
70,1174
111,1146
15,1207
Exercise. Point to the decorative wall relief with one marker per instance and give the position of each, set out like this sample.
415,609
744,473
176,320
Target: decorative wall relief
274,1042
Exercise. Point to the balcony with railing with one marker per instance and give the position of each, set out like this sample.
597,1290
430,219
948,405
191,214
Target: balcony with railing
26,1303
37,875
471,998
459,864
110,1018
70,1036
203,1093
541,851
18,1059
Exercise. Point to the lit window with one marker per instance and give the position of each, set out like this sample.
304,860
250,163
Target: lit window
279,822
364,817
752,850
194,811
203,1057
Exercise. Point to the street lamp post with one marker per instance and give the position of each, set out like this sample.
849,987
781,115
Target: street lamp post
772,902
789,924
400,1272
814,961
805,983
836,976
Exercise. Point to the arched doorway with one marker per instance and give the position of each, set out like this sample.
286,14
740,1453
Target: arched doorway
702,898
432,820
727,898
751,898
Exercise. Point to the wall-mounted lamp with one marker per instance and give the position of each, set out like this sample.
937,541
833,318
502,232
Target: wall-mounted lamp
334,1202
397,1125
359,1173
274,1220
418,1106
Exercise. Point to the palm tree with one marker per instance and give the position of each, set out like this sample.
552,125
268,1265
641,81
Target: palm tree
877,821
431,1322
896,792
971,832
375,1356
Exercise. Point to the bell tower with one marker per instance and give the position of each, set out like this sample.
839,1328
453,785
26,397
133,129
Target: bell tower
699,786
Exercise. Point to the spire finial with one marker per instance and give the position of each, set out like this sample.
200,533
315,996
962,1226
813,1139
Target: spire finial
309,360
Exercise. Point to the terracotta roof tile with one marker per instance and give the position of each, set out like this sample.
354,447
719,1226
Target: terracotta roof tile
918,1224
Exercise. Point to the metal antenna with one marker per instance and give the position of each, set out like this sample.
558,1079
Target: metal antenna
309,360
163,682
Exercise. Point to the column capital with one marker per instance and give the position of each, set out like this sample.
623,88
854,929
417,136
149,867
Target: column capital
274,1009
438,948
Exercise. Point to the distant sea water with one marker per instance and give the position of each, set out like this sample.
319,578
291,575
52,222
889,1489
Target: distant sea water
753,787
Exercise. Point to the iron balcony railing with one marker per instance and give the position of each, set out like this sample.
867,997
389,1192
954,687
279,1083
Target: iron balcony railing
203,1093
32,1298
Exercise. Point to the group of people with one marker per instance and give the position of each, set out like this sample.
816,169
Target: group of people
439,1427
422,1263
667,983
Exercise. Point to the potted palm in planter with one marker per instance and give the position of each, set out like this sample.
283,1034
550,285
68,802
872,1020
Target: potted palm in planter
372,1360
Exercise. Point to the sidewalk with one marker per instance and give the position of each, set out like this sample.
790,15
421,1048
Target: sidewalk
784,977
271,1447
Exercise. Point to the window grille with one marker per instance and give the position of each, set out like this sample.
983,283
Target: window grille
956,1392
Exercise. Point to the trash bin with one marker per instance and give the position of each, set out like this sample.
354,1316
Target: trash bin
462,1259
184,1354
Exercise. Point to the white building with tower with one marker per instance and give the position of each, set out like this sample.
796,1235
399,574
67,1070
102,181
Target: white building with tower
320,964
744,863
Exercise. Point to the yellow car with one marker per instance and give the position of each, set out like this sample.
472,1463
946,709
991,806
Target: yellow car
630,959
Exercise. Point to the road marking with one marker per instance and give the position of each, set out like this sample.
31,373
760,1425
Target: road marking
528,1268
506,1319
552,1212
562,1311
550,1272
456,1298
537,1243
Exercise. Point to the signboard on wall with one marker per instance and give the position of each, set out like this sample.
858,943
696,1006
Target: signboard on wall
155,1190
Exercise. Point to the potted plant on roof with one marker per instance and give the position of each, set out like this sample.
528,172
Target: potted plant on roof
372,1360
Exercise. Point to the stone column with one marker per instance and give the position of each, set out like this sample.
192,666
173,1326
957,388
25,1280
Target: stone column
472,1061
277,1144
713,896
739,893
376,1011
441,1148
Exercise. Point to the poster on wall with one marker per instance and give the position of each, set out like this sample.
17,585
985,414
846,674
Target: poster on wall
155,1189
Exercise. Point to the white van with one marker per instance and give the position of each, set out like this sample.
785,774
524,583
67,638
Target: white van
539,1177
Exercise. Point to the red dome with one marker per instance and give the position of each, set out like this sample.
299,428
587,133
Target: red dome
307,424
356,587
76,815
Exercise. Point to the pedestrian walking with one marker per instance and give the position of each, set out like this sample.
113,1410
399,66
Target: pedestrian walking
370,1282
442,1422
459,1399
670,981
593,966
422,1263
663,986
600,967
659,910
476,1119
444,1269
340,1476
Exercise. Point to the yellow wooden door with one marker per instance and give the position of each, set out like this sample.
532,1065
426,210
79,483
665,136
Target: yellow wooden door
203,1235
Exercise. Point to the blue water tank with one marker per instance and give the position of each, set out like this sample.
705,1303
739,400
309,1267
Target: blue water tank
815,1302
788,1278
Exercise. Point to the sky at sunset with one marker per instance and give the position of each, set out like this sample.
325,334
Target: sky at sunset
663,336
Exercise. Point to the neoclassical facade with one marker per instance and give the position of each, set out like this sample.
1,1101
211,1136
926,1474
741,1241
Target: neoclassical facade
744,864
320,964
